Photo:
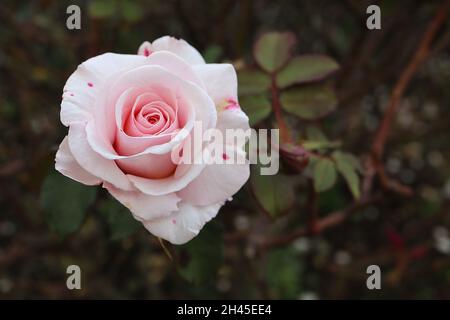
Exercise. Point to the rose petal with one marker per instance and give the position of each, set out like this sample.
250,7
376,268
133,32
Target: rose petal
218,181
93,162
145,49
145,76
143,206
68,166
180,47
148,166
91,77
220,80
87,81
183,225
232,119
125,144
173,63
180,179
221,84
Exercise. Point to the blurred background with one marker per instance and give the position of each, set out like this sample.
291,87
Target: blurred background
287,237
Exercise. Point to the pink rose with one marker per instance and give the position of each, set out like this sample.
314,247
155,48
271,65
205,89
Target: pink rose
127,113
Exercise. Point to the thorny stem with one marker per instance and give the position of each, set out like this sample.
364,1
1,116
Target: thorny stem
312,208
330,220
385,127
406,76
276,106
285,137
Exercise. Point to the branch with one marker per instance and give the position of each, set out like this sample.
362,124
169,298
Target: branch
330,220
276,105
419,56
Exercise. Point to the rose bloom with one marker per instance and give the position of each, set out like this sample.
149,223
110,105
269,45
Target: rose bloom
127,113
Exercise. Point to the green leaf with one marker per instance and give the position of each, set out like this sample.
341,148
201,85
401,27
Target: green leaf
131,11
120,221
252,81
306,68
212,54
101,8
65,202
310,103
346,167
315,134
257,107
273,50
205,255
317,145
324,174
274,193
283,273
355,162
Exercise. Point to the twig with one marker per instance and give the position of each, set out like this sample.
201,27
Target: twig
312,208
392,184
322,224
12,167
385,127
406,76
276,105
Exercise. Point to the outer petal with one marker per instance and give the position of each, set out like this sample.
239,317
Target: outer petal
84,84
232,119
221,85
143,206
167,185
145,49
175,64
75,106
93,77
185,224
93,162
218,182
108,63
220,80
180,48
68,166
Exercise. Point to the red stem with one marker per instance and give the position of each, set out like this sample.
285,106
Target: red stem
406,76
276,106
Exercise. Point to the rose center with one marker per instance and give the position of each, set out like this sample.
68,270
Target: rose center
152,119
